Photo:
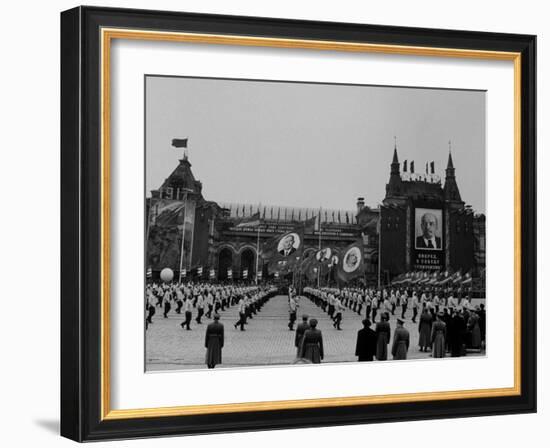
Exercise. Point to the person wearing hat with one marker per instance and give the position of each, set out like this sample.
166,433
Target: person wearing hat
480,310
425,329
383,334
474,331
300,330
439,336
214,342
401,339
312,344
365,348
456,330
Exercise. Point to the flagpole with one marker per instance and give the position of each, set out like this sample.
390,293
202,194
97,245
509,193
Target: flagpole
182,143
183,233
257,252
186,191
147,233
320,232
379,243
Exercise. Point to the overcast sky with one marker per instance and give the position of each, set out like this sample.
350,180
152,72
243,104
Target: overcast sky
310,145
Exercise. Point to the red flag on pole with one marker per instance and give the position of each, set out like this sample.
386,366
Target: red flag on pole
179,142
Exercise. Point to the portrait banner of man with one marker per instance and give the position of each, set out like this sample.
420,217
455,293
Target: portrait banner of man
289,244
428,229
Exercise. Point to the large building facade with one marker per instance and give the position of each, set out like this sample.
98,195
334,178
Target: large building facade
195,236
210,238
424,225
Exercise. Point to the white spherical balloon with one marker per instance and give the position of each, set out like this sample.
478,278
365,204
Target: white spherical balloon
167,275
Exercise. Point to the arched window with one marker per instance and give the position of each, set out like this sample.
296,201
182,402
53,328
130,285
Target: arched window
225,262
248,262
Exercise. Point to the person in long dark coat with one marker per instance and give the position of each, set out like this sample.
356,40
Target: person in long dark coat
365,349
455,332
425,330
447,319
439,336
214,342
474,331
482,321
401,340
383,334
312,344
300,330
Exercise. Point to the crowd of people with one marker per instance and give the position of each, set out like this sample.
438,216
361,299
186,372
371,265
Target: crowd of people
446,325
206,300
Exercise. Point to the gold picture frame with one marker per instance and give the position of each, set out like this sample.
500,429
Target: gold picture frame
104,27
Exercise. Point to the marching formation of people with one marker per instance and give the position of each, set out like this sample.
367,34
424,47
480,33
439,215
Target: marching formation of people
446,325
206,300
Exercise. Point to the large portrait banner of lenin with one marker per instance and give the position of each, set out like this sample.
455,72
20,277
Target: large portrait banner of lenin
428,239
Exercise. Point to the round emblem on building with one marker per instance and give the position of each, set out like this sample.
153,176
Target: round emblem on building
323,255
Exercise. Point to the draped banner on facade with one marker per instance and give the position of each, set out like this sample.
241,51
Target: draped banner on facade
165,228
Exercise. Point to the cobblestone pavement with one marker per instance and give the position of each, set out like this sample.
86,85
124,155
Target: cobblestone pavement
266,341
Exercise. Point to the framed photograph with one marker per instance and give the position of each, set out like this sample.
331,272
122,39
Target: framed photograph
273,224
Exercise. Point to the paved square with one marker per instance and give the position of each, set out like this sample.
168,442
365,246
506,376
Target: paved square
266,341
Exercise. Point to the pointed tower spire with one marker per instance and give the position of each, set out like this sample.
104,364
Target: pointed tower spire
450,161
395,161
450,170
452,192
393,187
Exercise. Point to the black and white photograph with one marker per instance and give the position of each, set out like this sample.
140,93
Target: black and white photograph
312,223
428,231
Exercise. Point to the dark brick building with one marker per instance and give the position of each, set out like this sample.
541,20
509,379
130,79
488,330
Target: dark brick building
412,198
